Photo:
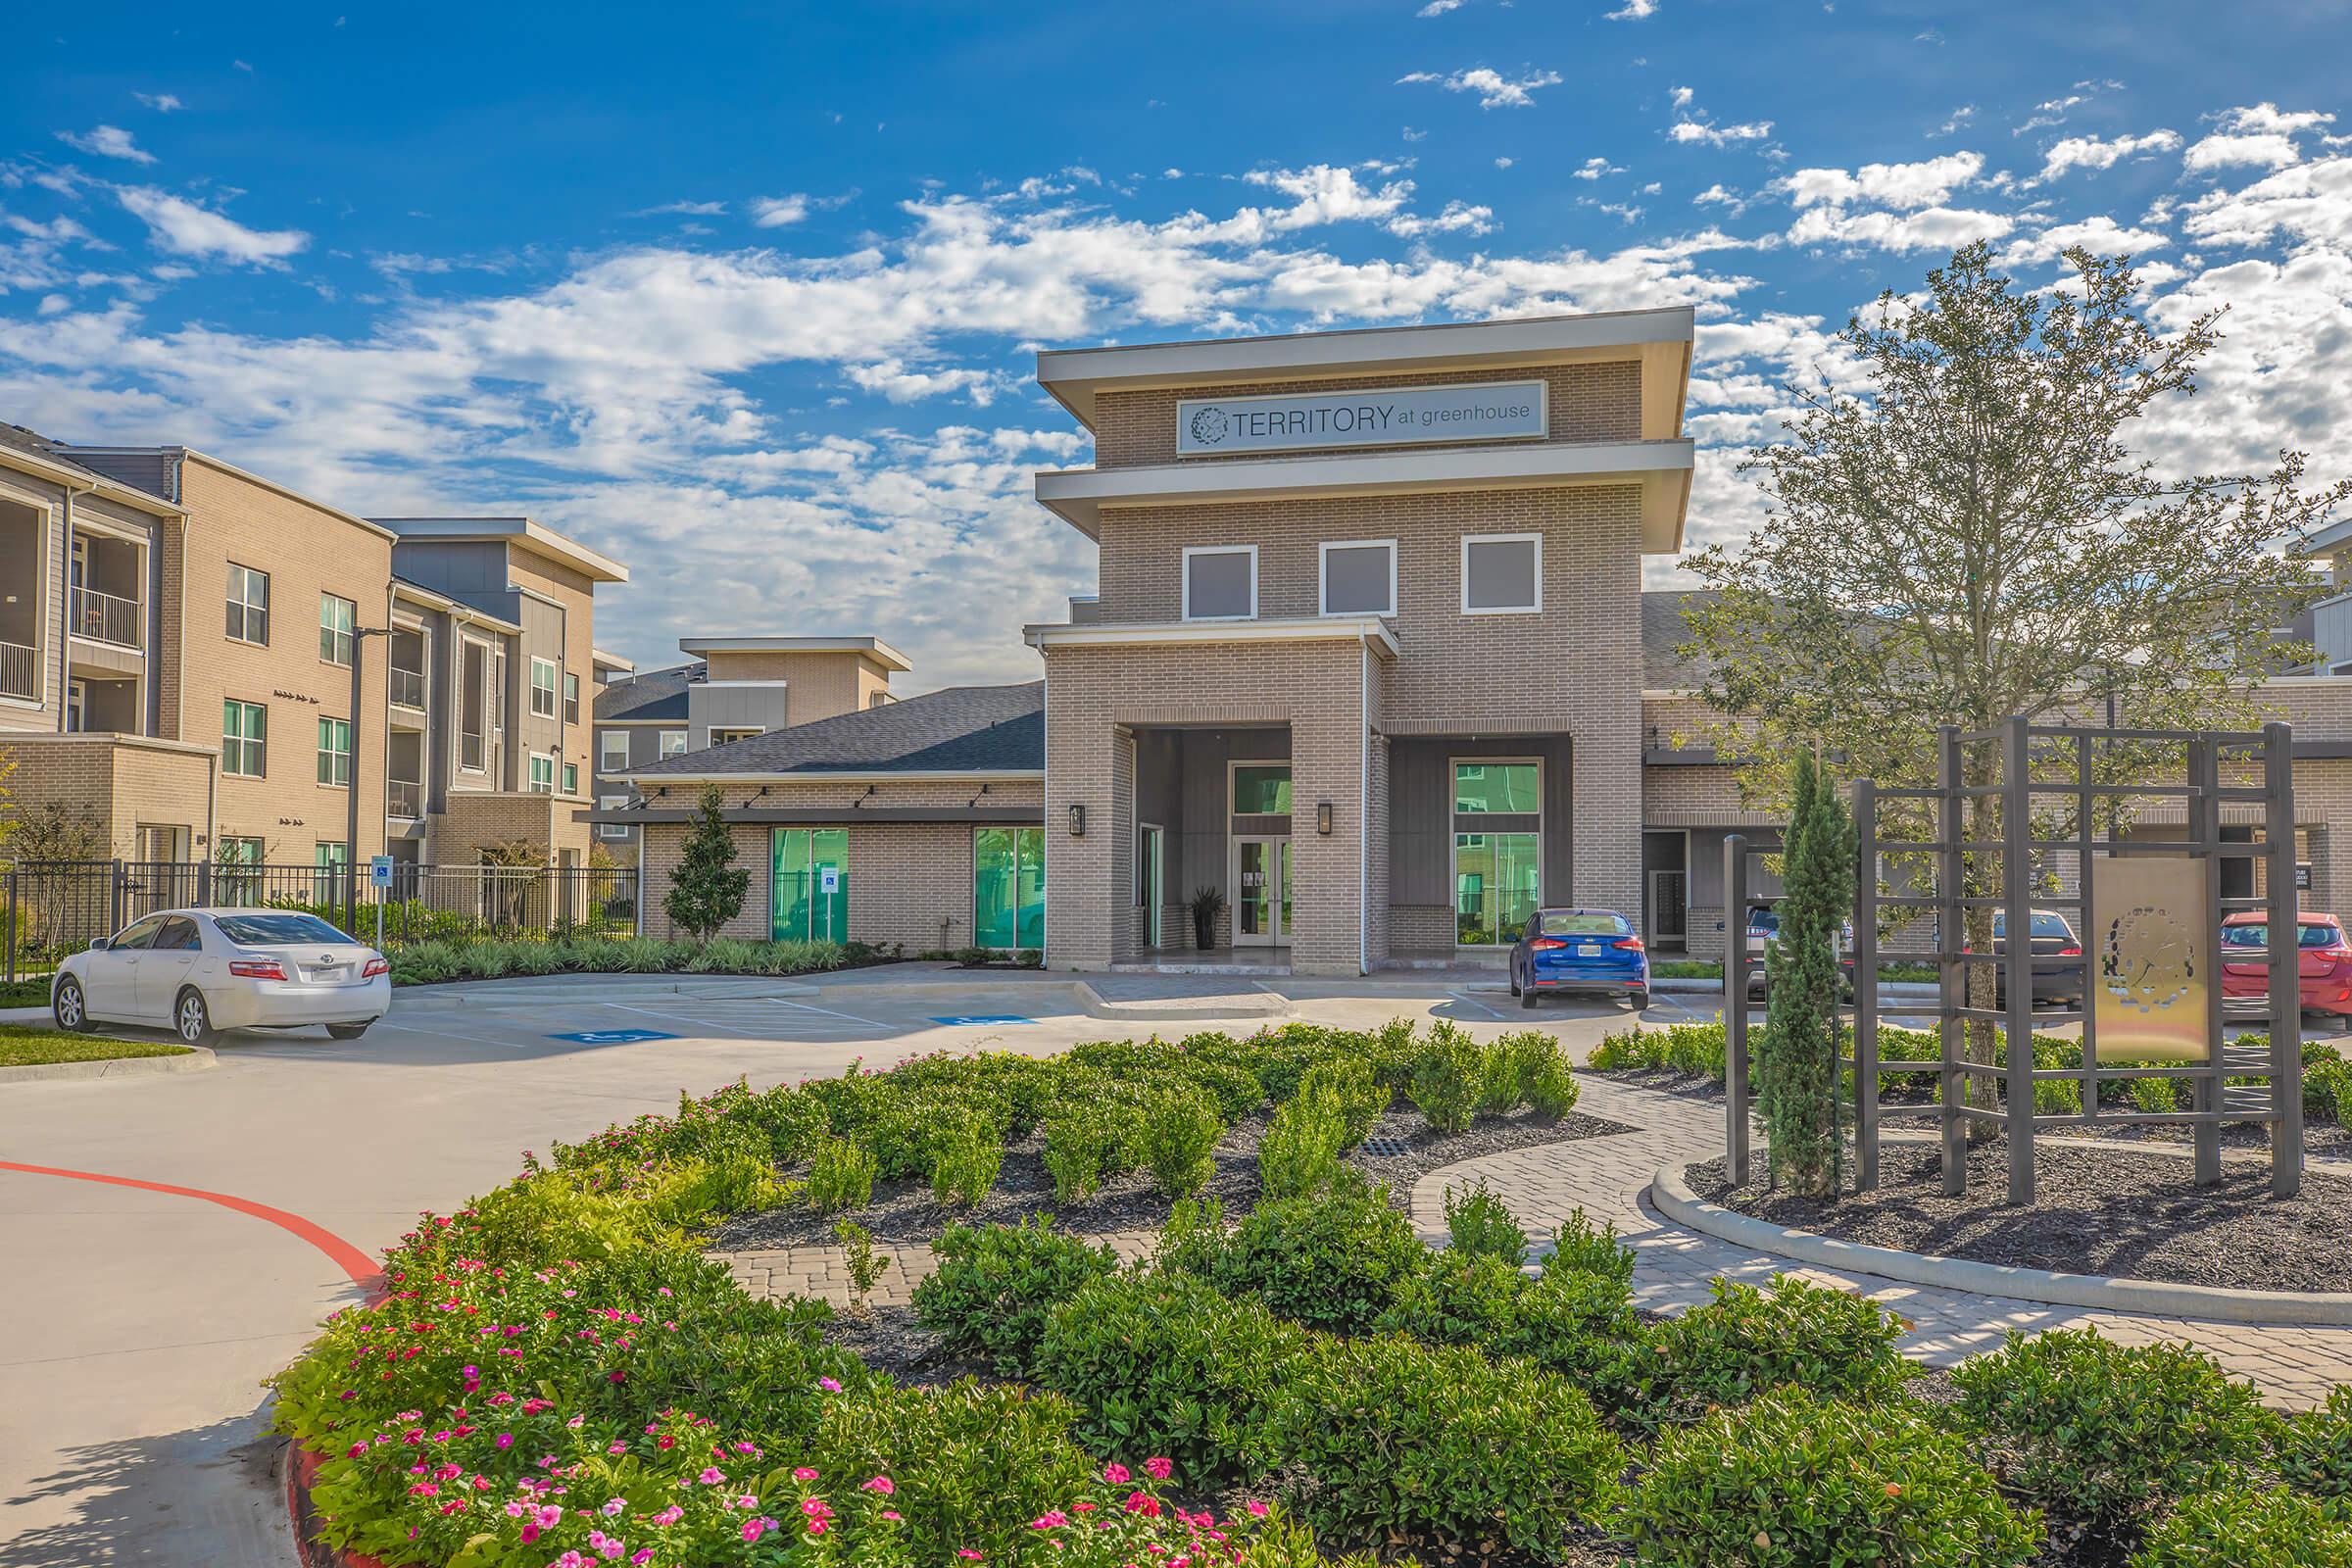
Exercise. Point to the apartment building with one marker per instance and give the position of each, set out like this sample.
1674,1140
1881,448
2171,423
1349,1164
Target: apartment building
735,688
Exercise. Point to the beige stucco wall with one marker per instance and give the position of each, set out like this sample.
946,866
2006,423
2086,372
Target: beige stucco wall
818,685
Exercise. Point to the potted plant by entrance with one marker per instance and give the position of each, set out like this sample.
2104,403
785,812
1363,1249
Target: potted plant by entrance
1207,903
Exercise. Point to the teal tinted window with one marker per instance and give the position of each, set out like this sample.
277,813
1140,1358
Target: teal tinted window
1496,877
1008,887
1262,789
1497,787
810,885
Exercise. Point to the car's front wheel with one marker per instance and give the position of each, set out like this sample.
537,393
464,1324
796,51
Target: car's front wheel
191,1019
67,1008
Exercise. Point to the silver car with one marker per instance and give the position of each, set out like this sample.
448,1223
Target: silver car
198,971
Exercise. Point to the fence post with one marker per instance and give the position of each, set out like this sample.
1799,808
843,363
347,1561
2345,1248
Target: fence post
2205,830
1734,1006
1866,985
2284,905
114,911
2017,1067
15,913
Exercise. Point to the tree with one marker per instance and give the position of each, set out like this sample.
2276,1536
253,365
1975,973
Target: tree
1968,535
707,889
1797,1063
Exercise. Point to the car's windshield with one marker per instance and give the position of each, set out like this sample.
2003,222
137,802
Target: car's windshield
2045,924
277,930
2257,934
1765,920
1581,924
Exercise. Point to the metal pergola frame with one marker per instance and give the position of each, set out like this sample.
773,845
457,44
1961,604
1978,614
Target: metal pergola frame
2269,1087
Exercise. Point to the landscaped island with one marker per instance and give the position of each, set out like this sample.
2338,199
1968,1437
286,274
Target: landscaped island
560,1377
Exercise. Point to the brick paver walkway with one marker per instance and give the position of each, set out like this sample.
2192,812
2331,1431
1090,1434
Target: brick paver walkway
1673,1267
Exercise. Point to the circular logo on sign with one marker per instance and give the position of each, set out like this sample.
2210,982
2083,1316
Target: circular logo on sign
1209,425
2146,962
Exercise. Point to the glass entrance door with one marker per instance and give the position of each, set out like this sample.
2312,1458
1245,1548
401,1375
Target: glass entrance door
811,885
1495,876
1261,901
1151,845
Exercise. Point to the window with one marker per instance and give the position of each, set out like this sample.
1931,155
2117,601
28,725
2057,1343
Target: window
247,605
1220,582
674,743
473,707
1360,577
77,705
611,830
333,867
1008,888
543,688
1502,573
337,619
1583,923
722,734
279,930
1262,789
571,778
612,751
1497,787
810,891
335,750
178,935
543,773
244,738
236,872
571,698
138,935
1495,886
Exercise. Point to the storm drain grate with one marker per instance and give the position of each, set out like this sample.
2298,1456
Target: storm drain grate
1385,1148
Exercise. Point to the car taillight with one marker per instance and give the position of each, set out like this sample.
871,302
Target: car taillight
1627,944
257,969
376,966
1545,943
2070,952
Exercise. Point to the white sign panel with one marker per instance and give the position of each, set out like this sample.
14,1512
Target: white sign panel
379,870
828,880
1377,416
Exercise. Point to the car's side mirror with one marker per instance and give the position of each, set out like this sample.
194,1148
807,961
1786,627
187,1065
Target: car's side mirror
98,944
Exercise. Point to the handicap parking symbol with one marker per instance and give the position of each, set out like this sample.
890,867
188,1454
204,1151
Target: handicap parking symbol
613,1037
981,1019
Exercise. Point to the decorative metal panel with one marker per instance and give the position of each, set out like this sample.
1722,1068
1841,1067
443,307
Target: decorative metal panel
2151,947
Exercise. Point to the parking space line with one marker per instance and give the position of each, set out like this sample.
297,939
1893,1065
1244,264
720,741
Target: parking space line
870,1023
679,1018
1471,1001
442,1033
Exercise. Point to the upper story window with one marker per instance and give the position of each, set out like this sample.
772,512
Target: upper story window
244,738
1502,573
1360,577
543,688
335,750
722,734
571,698
1262,789
247,605
571,778
336,617
1510,787
1220,582
543,773
612,751
674,743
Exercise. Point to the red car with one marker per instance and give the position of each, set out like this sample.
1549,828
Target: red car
2325,959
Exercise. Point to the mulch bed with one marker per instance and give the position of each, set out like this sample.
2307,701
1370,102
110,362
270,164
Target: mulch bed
2099,1211
904,1212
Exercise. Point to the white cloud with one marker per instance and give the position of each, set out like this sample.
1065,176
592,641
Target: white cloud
2271,118
184,229
687,208
1934,228
1633,11
2100,236
1455,217
1929,182
2309,203
1438,8
1502,162
2224,151
1595,168
1689,130
1959,117
2090,152
1680,97
107,141
774,212
1494,90
896,381
162,103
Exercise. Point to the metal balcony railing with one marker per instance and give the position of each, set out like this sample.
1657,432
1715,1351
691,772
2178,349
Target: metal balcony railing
404,797
19,671
407,688
107,617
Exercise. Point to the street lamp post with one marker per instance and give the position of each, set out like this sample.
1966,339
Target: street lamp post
350,821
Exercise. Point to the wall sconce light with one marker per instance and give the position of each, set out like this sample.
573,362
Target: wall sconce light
1077,821
1323,818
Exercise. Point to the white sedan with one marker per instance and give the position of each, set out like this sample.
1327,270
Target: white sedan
196,971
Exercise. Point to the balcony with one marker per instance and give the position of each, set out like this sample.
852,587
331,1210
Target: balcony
108,619
404,797
19,671
406,687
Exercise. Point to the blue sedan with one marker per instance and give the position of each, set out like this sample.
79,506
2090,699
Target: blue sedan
1592,951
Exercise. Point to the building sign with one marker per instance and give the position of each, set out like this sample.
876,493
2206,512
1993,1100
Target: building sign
2152,932
1377,417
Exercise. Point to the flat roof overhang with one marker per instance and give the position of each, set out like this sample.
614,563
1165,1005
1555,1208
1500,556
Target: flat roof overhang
618,816
1074,378
1662,469
873,648
1371,630
528,532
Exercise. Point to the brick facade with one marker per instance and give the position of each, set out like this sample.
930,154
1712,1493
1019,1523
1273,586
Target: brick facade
120,782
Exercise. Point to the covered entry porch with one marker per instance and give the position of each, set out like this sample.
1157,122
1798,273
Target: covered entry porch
1214,811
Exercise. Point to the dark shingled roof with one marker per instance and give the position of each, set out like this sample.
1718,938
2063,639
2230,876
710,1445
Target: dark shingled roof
1663,630
41,446
959,729
655,694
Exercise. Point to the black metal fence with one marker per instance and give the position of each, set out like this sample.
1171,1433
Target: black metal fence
49,908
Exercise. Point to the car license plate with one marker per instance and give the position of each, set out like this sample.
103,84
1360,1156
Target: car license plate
326,973
1588,950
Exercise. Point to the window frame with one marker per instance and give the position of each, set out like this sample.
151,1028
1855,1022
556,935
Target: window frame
1233,768
570,774
241,740
533,785
662,743
1536,577
613,830
1183,585
733,733
244,605
1323,574
348,634
553,699
571,696
1453,765
604,751
327,752
480,687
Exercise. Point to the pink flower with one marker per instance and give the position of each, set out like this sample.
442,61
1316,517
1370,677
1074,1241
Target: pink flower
1257,1510
530,1533
804,1473
1052,1519
966,1551
642,1556
1159,1469
891,1515
670,1515
828,1385
1115,1474
881,1484
753,1530
712,1476
613,1507
1143,1503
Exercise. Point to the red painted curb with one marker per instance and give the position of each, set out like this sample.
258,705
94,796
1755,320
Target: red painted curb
349,1259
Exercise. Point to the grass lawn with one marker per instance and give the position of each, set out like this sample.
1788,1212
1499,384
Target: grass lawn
25,1047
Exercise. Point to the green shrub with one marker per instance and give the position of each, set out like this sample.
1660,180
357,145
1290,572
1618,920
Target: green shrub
1581,1245
967,1153
1384,1439
1448,1079
1176,1140
1478,1224
1353,1090
865,1266
841,1175
2312,1450
1792,1482
1792,1333
1580,1325
2240,1528
2154,1094
2101,1433
1499,1075
1085,1145
996,1285
1695,1050
1298,1154
1633,1050
1331,1261
1550,1087
2327,1091
1457,1297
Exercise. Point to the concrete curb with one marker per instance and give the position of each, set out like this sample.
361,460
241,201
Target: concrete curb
1234,1004
2155,1298
197,1060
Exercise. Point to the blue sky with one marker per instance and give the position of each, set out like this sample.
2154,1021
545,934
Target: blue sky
748,295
